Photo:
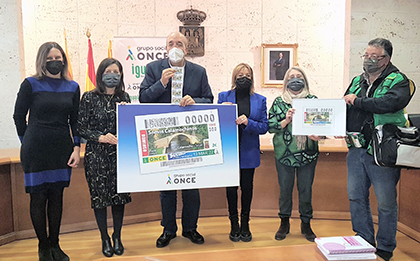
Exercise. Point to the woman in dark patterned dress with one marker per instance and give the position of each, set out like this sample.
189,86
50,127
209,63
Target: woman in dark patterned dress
50,143
97,124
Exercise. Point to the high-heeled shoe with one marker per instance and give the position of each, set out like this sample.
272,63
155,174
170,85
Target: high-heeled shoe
107,249
118,246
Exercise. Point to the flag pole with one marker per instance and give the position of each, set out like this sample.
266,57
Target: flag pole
67,55
109,46
90,69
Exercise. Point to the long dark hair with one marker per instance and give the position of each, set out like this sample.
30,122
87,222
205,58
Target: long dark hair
41,60
100,86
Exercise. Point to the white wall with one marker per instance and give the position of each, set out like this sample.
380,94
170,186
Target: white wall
11,59
234,32
234,29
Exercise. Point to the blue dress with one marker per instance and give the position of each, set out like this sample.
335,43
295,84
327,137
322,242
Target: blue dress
49,135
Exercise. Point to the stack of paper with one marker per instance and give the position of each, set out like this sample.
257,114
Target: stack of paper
345,248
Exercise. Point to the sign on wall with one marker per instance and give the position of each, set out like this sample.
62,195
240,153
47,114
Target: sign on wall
135,53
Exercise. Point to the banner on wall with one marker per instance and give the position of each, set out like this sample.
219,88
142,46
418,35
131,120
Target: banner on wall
135,53
169,147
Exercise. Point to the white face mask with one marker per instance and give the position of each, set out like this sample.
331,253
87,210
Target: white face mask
176,55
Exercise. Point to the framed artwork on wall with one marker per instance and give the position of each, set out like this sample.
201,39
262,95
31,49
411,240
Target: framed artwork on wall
276,59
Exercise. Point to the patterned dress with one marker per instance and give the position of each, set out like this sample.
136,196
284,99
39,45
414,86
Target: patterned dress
50,133
97,116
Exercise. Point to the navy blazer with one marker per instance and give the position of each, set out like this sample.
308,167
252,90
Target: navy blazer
249,145
196,83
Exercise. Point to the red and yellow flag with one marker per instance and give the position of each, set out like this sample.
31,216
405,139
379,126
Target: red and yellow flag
90,69
67,55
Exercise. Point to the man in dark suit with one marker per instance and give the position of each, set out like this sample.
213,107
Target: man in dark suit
281,67
178,81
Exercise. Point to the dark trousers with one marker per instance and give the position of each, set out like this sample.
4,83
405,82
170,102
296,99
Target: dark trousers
247,185
190,210
305,178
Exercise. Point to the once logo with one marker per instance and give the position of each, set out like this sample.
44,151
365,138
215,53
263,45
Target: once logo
188,180
155,159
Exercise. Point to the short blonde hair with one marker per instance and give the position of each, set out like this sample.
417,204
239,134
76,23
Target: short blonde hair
235,73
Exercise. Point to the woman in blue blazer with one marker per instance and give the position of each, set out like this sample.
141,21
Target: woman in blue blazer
252,121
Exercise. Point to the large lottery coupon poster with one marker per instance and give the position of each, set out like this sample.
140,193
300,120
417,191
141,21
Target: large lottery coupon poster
180,140
167,147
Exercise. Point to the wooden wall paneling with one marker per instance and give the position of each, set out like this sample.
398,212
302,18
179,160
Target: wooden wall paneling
409,198
6,204
329,198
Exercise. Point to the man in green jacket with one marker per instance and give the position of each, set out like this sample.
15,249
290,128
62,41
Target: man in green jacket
376,97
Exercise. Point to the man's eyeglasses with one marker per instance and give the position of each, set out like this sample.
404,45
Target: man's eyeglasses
373,57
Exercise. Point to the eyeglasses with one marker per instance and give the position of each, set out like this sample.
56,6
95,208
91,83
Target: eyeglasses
373,57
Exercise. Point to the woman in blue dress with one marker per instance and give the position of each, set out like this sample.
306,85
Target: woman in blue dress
50,143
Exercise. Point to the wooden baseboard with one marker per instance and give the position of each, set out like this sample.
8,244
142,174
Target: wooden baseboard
5,239
267,213
295,214
409,231
140,218
210,213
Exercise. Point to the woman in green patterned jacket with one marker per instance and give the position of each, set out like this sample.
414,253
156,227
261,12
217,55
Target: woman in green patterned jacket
296,155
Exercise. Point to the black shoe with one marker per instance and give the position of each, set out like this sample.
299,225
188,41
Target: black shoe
164,239
118,246
284,229
58,254
235,232
307,231
107,249
194,236
385,255
45,254
246,235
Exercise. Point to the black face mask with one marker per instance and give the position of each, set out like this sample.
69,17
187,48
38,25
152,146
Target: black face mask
111,80
243,84
54,67
296,84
